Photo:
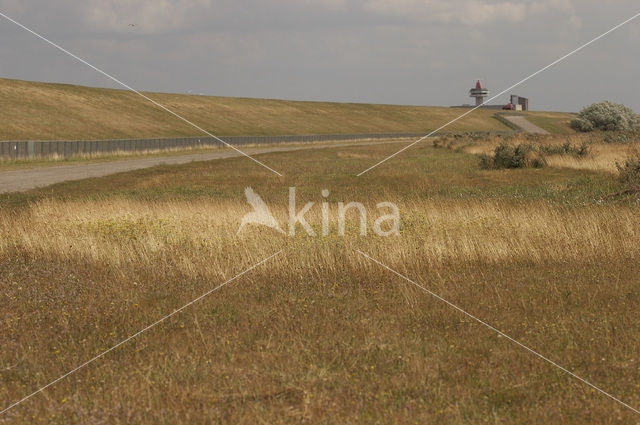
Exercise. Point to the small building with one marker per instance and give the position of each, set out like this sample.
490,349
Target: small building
519,103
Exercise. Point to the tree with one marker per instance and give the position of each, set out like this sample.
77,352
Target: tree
606,116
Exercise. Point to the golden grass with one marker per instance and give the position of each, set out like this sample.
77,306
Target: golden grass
44,111
603,156
125,233
130,240
320,334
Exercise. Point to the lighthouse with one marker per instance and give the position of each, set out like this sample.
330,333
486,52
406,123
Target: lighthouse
479,93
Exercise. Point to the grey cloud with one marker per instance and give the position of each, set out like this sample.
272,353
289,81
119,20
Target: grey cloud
150,16
389,51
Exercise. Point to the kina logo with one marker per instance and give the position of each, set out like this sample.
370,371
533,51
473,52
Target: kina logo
384,225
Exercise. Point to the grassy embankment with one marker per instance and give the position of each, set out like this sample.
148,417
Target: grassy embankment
42,111
553,122
320,334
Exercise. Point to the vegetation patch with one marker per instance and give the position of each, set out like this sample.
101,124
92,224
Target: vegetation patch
40,111
129,228
605,116
320,334
630,171
566,148
622,137
506,156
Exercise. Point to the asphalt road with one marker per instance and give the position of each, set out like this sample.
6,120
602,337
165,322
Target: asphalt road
31,178
525,124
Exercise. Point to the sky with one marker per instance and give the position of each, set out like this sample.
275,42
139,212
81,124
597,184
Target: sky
417,52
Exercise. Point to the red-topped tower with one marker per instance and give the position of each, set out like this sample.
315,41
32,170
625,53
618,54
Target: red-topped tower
479,93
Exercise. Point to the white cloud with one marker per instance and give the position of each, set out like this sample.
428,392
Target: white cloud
336,5
470,12
553,7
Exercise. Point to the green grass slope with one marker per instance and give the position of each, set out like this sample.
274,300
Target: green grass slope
553,122
31,110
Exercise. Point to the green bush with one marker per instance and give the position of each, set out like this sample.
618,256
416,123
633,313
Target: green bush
506,156
621,137
456,142
630,171
582,125
534,137
582,150
606,116
444,142
567,148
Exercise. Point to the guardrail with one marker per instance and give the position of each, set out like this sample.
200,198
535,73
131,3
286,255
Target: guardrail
26,149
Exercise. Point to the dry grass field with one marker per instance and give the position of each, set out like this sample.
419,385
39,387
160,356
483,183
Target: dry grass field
44,111
320,334
603,154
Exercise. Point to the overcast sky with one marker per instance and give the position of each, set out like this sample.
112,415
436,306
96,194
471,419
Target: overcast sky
422,52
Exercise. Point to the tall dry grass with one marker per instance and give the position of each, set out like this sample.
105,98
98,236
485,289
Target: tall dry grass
126,233
602,156
320,333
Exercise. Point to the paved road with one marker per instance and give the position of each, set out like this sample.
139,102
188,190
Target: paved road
22,180
525,124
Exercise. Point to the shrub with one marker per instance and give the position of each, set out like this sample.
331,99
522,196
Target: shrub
582,125
444,142
506,156
455,141
533,137
606,116
486,161
582,150
630,171
620,137
566,149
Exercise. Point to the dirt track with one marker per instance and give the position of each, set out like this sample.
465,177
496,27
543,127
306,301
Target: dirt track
22,180
525,124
